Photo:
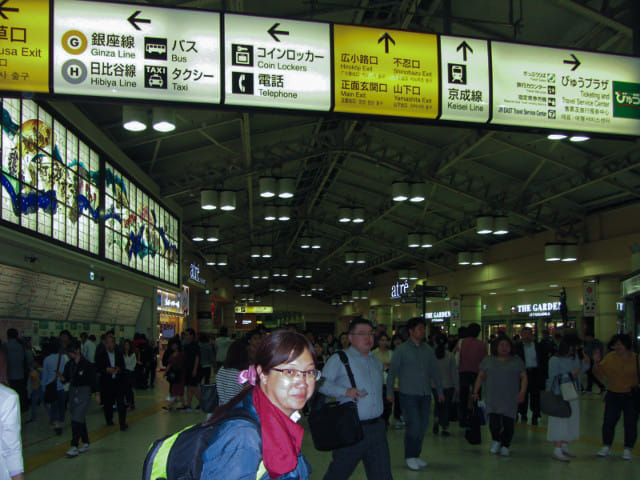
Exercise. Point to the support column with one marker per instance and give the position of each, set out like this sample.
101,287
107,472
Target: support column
607,317
470,310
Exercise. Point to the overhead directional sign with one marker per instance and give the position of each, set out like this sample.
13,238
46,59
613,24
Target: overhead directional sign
24,45
560,89
385,72
277,63
119,50
464,63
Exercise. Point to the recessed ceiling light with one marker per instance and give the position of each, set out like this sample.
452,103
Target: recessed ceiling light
556,136
492,293
553,285
522,289
579,138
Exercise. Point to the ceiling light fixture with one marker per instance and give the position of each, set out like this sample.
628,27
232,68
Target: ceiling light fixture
569,252
305,242
267,187
556,136
500,225
399,191
357,215
344,215
476,259
464,258
286,187
227,200
413,240
284,213
164,120
579,138
256,252
198,234
134,119
484,225
208,199
417,192
270,213
553,252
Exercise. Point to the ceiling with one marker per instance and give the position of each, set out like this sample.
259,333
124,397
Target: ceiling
540,185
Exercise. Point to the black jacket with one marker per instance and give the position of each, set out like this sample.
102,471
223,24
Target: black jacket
102,363
80,374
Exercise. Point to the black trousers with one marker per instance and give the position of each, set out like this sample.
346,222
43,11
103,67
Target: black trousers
501,428
79,431
591,379
113,393
535,378
616,404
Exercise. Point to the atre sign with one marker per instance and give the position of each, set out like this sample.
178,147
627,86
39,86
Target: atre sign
399,289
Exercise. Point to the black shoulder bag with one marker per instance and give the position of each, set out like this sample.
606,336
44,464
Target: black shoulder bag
335,425
635,391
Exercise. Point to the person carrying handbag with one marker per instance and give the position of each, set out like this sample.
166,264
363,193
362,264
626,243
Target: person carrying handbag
373,449
564,368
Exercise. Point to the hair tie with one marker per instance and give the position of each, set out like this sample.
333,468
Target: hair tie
249,375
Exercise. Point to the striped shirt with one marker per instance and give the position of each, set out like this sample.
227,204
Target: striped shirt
227,384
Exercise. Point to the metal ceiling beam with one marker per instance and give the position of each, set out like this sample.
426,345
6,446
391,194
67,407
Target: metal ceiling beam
472,145
596,16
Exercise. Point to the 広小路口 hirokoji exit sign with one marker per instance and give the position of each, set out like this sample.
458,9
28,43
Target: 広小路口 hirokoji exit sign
134,51
385,72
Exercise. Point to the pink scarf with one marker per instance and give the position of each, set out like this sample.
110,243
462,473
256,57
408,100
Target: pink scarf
281,436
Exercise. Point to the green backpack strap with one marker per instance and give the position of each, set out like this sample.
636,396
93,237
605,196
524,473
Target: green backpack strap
160,459
261,470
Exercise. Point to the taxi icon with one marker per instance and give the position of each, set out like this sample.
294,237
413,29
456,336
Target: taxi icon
155,80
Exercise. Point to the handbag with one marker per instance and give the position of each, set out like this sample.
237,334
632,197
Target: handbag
568,389
51,389
554,405
335,425
209,399
472,433
635,391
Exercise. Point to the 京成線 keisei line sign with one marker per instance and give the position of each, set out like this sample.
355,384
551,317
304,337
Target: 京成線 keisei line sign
557,88
464,63
134,51
271,62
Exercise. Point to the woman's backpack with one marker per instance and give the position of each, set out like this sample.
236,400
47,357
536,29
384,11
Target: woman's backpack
179,456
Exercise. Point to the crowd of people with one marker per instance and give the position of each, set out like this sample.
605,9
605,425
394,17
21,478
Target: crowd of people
395,381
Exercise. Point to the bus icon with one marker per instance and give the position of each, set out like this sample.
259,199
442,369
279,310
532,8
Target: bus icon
155,48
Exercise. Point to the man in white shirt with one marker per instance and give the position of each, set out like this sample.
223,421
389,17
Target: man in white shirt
88,347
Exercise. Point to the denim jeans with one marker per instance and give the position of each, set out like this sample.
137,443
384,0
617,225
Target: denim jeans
415,409
614,405
58,408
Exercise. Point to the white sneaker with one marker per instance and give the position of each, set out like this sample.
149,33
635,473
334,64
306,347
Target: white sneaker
72,452
495,447
626,455
83,448
567,452
421,463
559,455
412,464
604,451
504,451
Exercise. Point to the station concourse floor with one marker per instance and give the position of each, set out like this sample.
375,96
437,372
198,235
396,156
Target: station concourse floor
116,455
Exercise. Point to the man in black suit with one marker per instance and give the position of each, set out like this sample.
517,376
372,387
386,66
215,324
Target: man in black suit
110,365
536,362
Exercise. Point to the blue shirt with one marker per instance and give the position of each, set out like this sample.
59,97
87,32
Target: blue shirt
49,369
416,367
367,372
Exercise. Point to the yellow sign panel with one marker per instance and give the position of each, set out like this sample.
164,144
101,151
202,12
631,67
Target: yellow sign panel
385,72
24,45
254,309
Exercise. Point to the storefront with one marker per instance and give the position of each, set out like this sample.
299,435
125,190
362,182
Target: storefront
172,308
